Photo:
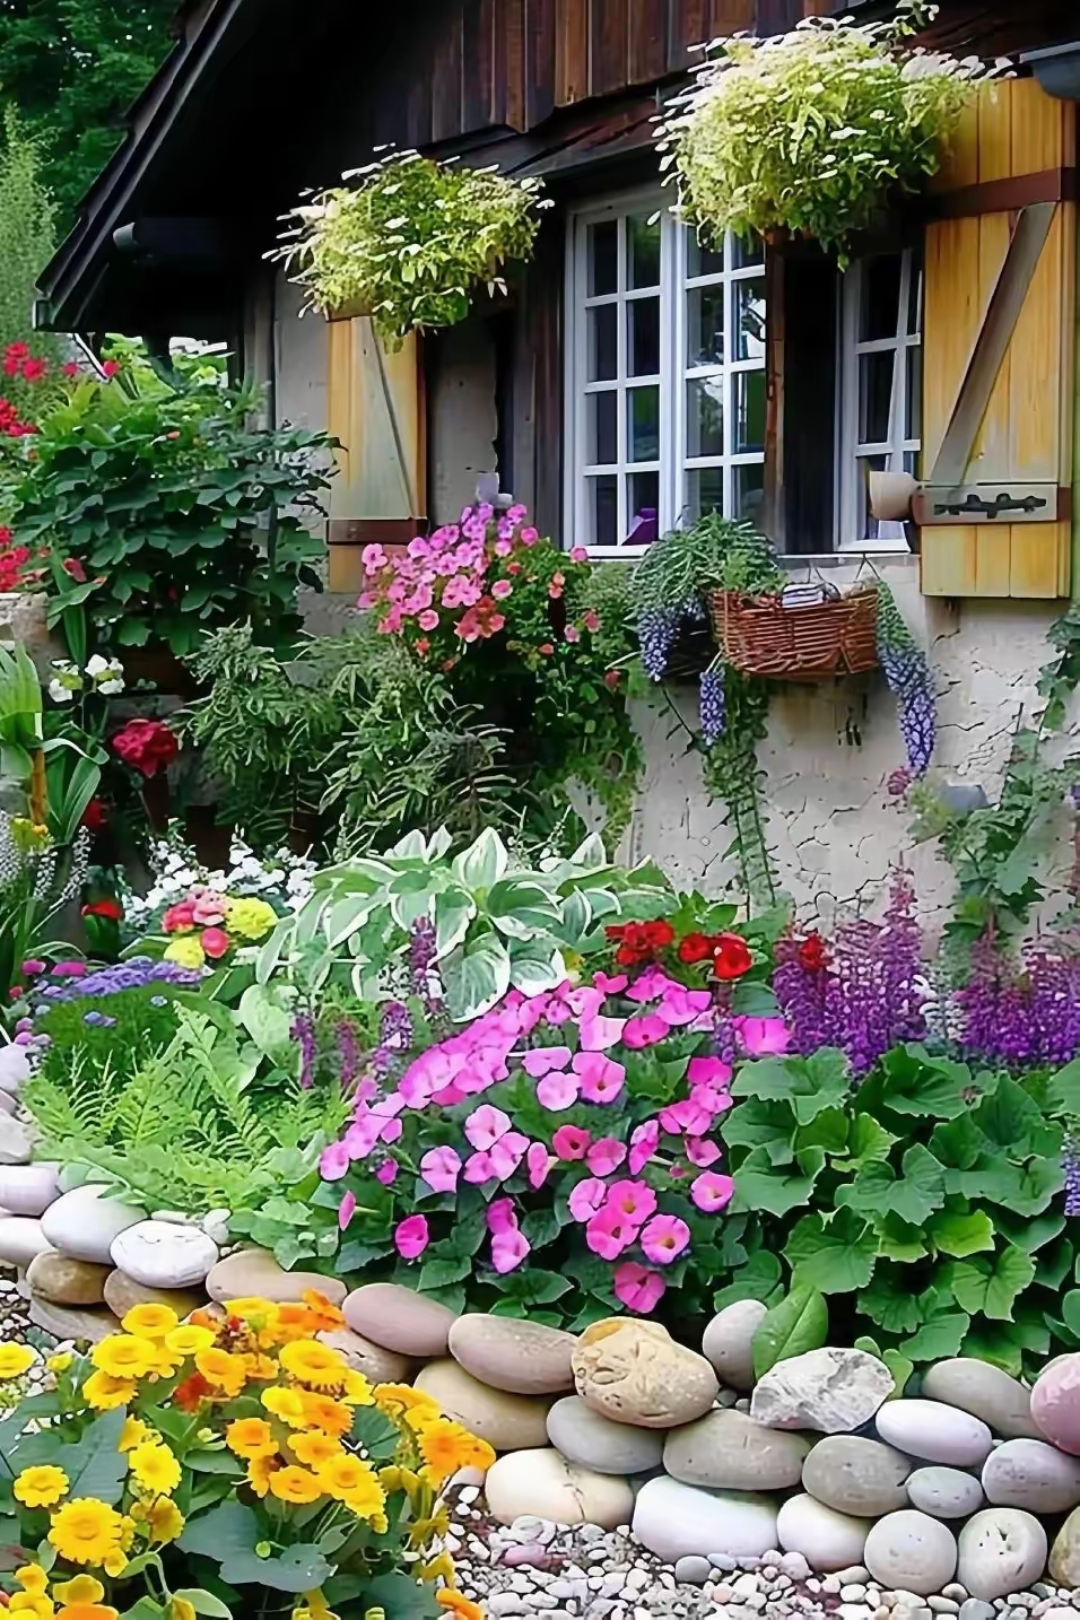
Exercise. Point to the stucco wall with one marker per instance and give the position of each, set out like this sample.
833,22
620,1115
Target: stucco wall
831,747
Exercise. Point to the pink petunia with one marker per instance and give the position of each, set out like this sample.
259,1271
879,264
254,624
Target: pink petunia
335,1161
651,984
645,1031
638,1288
501,1216
346,1210
507,1153
605,1155
586,1198
539,1161
762,1037
501,589
486,1125
609,1233
610,986
700,1151
711,1192
543,1059
571,1142
708,1071
682,1006
598,1034
601,1078
479,1169
440,1168
391,1131
664,1239
644,1142
428,620
411,1237
694,1114
387,1172
508,1250
558,1091
635,1201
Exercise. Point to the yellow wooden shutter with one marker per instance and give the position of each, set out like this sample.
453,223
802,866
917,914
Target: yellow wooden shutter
1008,176
376,409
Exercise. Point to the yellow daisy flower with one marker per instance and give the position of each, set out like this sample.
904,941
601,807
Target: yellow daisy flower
406,1399
320,1412
368,1501
164,1520
186,952
15,1359
250,918
357,1391
251,1437
154,1468
104,1392
150,1321
313,1363
134,1432
346,1477
85,1531
313,1449
189,1340
295,1485
222,1369
286,1404
80,1589
123,1355
42,1486
32,1578
260,1472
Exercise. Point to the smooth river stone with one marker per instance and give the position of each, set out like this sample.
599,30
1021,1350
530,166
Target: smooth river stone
945,1493
728,1451
728,1342
512,1353
634,1372
123,1293
1065,1554
911,1552
858,1476
678,1521
29,1189
986,1392
1002,1550
507,1422
834,1391
162,1255
64,1281
400,1319
935,1432
16,1141
254,1273
85,1221
827,1540
1033,1475
21,1238
592,1441
542,1484
67,1322
378,1366
14,1067
1055,1398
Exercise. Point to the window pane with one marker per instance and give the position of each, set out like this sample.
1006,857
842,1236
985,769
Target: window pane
749,410
915,297
705,326
603,343
745,253
875,396
643,424
643,508
642,251
750,492
701,260
705,417
643,337
880,297
750,319
913,427
603,442
704,492
603,258
603,493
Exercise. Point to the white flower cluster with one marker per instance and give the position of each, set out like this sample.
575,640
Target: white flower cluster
177,869
104,676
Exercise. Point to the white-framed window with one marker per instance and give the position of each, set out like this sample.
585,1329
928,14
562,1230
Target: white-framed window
665,375
880,415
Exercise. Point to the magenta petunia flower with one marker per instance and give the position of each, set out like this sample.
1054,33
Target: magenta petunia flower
539,1161
601,1078
708,1071
700,1151
501,1216
598,1034
644,1142
508,1250
664,1239
440,1168
608,1233
479,1169
645,1031
612,985
387,1172
635,1201
334,1161
411,1237
682,1006
651,984
346,1210
543,1059
507,1153
485,1126
558,1091
762,1037
711,1192
605,1155
586,1198
571,1142
638,1288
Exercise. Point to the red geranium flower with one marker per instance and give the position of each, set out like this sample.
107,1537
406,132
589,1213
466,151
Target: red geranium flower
696,948
812,953
95,816
112,909
72,566
731,958
146,745
634,943
659,933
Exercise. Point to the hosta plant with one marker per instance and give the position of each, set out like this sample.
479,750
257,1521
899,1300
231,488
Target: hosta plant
924,1203
232,1464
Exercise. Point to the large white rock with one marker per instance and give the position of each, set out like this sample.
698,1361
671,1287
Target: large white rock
675,1521
911,1552
835,1391
84,1223
935,1432
16,1141
986,1392
162,1255
28,1189
593,1441
14,1067
728,1342
542,1484
827,1540
1002,1550
1033,1475
945,1493
21,1240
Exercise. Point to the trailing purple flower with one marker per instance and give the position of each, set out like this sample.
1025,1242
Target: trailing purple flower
910,681
657,630
303,1032
1020,1014
713,704
1070,1163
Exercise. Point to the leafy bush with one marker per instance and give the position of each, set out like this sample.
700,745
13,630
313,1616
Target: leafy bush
412,243
167,514
919,1203
809,132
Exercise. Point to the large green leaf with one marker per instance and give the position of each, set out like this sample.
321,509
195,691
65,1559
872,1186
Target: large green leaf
761,1188
937,1339
93,1465
399,1598
454,911
933,1088
913,1196
807,1085
484,862
797,1324
476,976
890,1305
898,1240
836,1254
1022,1190
299,1568
868,1143
989,1287
225,1532
520,908
757,1279
769,1125
1062,1091
1013,1123
958,1234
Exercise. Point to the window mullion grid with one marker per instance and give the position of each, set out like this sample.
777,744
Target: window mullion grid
727,382
621,394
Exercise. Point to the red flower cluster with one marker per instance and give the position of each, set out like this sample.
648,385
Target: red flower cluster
11,424
95,816
639,943
812,954
13,559
108,908
19,362
146,745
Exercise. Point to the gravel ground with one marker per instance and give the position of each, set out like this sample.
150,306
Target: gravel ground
535,1568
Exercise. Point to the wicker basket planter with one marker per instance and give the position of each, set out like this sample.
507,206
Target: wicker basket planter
797,641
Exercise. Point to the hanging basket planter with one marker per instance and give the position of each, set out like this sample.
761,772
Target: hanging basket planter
788,637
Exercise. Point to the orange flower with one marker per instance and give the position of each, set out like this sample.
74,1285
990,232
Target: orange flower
293,1322
328,1316
296,1485
251,1437
260,1472
315,1448
321,1412
461,1607
225,1371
